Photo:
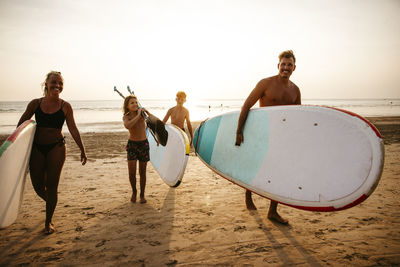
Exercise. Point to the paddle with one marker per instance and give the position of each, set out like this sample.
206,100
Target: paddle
116,90
155,125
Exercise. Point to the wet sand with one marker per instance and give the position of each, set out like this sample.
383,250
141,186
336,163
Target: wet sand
203,222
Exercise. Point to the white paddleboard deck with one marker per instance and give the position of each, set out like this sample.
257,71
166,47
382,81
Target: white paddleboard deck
308,157
14,160
170,160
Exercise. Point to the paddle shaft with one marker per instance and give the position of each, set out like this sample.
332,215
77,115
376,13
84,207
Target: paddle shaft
116,90
140,106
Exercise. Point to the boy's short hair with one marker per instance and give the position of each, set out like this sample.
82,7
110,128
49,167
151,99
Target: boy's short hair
287,54
181,94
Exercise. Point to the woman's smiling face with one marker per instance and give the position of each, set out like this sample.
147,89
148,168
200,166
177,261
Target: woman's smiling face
54,85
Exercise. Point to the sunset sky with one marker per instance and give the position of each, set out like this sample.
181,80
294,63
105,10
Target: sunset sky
208,48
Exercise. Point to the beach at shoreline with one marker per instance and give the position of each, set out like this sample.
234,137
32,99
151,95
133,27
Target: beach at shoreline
203,222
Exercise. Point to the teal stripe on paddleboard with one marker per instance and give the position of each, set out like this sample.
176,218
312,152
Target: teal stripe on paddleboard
241,162
4,146
208,132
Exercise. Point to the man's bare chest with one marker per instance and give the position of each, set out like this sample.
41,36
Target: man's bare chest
279,96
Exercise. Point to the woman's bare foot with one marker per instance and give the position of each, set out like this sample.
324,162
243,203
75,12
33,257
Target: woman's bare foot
133,198
49,229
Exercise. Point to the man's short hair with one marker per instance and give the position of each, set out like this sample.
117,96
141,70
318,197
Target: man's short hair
287,54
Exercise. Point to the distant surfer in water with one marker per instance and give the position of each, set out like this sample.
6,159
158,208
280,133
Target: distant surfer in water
48,150
272,91
179,114
138,146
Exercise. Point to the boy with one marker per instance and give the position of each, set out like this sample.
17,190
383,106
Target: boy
179,114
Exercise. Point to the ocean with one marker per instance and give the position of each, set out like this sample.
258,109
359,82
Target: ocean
106,115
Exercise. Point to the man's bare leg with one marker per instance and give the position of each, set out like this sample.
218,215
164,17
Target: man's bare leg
249,201
273,214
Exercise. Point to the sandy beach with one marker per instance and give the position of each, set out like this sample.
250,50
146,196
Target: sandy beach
203,222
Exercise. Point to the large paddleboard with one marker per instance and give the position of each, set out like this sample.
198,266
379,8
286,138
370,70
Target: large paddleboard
14,158
170,160
308,157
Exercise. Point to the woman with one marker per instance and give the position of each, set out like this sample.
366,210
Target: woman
48,150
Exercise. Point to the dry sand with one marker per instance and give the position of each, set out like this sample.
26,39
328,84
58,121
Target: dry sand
203,222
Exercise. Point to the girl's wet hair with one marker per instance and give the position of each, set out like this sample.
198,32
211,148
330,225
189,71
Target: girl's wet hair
126,102
48,75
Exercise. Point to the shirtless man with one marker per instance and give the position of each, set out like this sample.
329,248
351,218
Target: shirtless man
272,91
179,114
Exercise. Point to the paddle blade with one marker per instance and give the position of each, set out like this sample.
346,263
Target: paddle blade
158,128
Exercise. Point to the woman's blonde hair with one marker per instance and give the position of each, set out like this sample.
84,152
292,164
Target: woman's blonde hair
48,75
126,102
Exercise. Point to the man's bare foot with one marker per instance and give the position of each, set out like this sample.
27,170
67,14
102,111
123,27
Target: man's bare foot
133,198
277,218
143,200
249,201
250,205
49,229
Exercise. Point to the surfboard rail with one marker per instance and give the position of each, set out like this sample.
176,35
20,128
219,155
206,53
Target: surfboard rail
14,161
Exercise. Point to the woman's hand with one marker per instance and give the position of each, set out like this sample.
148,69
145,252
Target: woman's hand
83,158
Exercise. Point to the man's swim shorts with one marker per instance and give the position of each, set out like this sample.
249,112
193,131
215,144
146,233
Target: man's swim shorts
138,150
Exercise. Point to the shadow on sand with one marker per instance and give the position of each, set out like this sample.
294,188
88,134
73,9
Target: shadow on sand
131,234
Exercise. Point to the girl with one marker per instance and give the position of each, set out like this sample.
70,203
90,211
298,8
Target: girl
138,145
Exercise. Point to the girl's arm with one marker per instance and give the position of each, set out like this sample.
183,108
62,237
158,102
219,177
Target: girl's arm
130,122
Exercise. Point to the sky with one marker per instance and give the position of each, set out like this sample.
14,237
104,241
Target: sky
207,48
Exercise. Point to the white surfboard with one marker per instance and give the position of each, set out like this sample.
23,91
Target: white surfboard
14,160
170,160
308,157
